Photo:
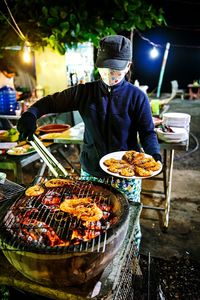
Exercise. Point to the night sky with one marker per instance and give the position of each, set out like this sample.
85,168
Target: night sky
183,34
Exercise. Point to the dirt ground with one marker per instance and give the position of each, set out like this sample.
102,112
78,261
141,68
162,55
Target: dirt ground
183,234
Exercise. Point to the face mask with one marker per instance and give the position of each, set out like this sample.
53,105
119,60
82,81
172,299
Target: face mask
112,77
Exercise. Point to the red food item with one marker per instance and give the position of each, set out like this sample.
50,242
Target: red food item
55,200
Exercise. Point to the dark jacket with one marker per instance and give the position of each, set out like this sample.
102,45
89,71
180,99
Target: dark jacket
116,119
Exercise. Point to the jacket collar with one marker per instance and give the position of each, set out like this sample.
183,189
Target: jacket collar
107,89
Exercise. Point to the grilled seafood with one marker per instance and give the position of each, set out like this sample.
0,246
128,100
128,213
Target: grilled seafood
128,172
115,165
111,161
113,169
154,168
142,172
34,190
55,182
82,208
51,198
131,156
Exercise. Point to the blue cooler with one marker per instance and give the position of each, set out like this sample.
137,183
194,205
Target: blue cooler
8,100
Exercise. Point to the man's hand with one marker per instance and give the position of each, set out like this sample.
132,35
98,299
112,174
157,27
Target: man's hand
26,126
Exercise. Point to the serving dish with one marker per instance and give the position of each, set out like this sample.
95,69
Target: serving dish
21,150
54,128
177,135
118,155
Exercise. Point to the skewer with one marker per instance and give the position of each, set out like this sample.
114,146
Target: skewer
48,158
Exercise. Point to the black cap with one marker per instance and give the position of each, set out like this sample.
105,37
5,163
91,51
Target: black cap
114,52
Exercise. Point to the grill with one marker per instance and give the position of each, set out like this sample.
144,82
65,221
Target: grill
9,190
117,280
58,247
37,224
38,238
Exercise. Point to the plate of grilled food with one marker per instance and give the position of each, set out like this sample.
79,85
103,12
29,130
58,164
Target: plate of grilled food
21,150
130,164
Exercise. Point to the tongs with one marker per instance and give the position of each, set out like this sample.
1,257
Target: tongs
55,167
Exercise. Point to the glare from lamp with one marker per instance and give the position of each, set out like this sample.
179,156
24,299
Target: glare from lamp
27,54
154,52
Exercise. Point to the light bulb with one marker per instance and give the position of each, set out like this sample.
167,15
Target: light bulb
154,52
26,53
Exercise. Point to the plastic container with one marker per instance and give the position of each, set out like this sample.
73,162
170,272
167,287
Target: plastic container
8,100
155,107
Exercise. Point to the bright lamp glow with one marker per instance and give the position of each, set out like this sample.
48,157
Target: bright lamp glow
27,53
154,52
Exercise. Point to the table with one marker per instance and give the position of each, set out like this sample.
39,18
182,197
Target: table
194,91
72,136
8,121
16,163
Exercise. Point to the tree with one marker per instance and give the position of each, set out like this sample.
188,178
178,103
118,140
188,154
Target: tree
63,23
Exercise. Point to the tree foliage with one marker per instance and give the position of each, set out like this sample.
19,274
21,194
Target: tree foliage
65,23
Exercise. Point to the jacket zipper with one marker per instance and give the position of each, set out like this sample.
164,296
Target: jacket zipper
107,118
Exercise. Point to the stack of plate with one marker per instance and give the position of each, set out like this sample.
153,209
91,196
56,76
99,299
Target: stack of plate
176,119
177,135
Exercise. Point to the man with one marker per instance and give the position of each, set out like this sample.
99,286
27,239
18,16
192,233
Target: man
114,111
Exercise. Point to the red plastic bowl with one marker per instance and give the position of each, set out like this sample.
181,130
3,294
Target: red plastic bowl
54,128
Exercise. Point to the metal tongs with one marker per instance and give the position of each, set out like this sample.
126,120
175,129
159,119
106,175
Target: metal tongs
55,167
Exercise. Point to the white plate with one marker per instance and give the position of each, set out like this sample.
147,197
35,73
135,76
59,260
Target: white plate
177,134
173,141
18,151
176,119
176,115
118,155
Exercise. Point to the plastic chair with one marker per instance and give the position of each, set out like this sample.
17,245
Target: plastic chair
175,87
174,93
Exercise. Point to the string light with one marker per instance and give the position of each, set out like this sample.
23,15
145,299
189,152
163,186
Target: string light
27,46
17,29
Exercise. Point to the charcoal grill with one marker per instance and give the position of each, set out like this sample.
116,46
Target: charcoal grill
78,260
116,281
